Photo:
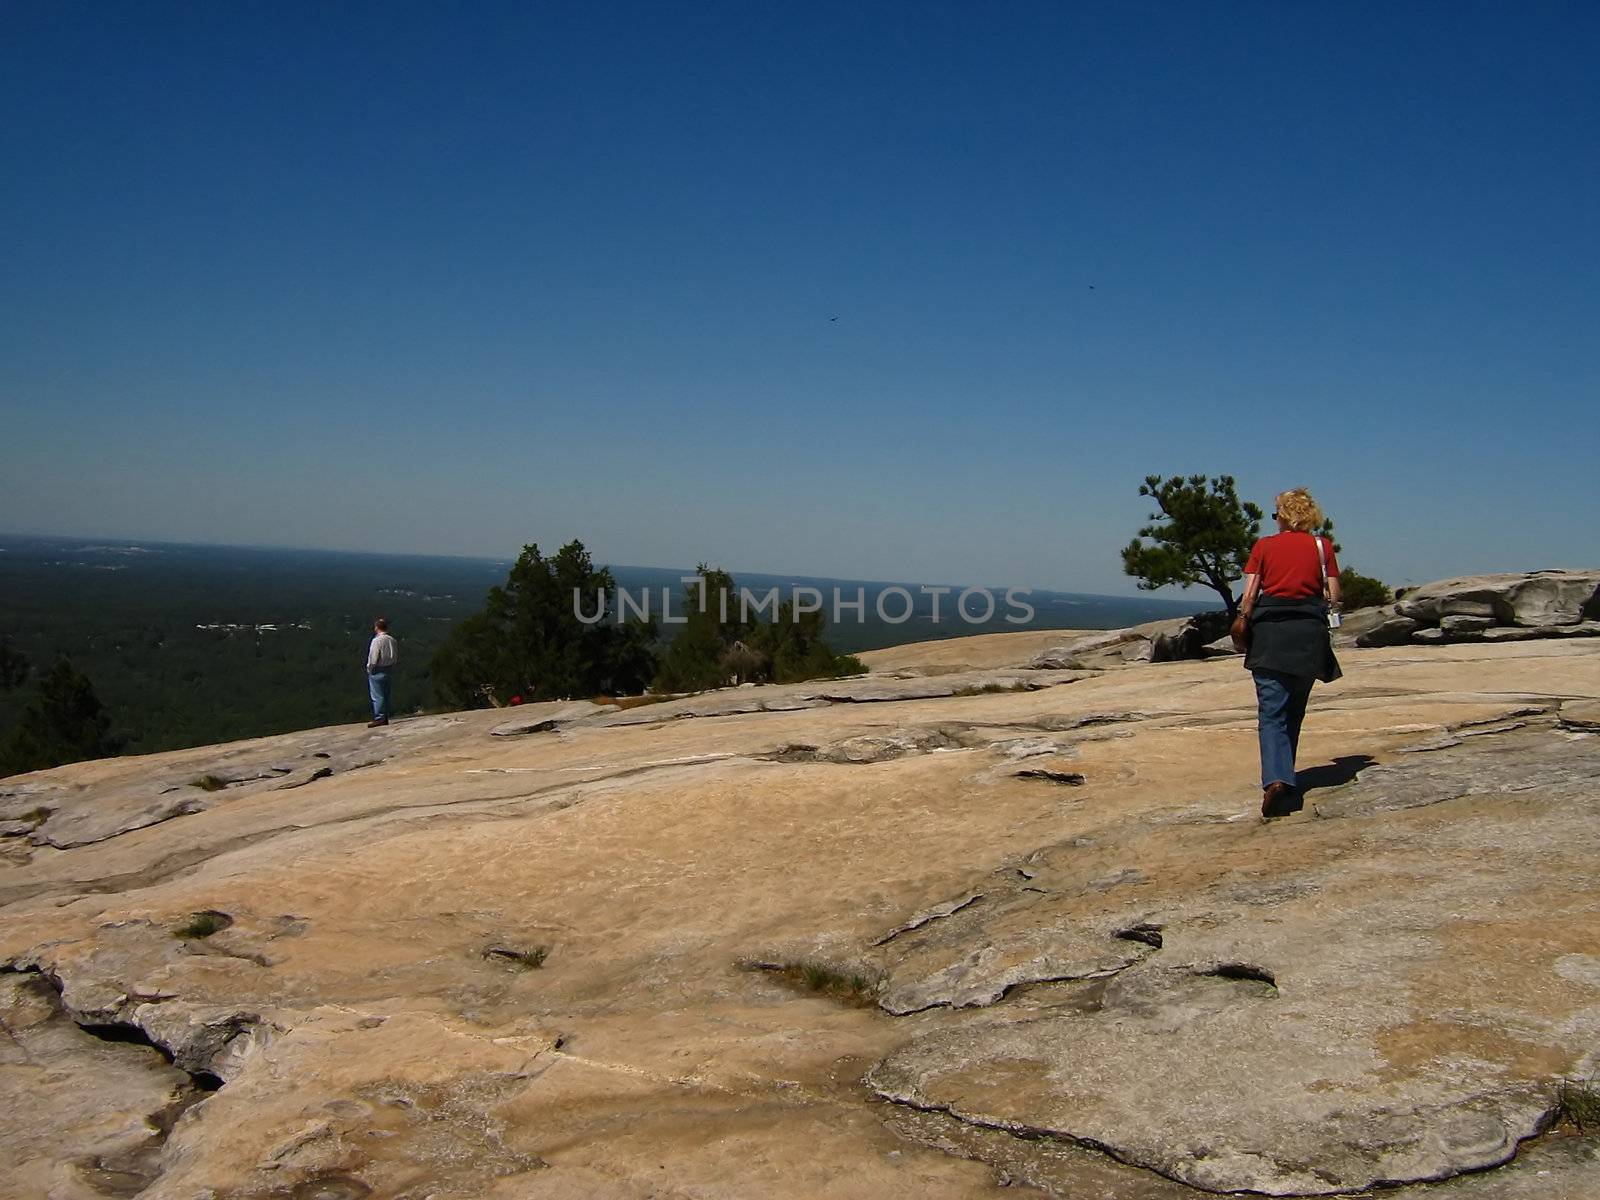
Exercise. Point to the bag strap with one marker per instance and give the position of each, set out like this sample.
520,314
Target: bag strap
1323,563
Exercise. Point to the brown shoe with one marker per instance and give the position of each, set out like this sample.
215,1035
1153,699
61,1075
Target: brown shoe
376,723
1273,799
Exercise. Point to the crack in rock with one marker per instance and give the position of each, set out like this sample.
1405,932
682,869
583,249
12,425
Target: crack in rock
905,741
1527,710
1034,1080
1146,932
162,869
983,978
206,1042
1018,749
1557,768
551,717
868,689
937,913
1580,716
867,748
1016,1129
140,1093
1067,778
311,777
157,814
1068,723
75,821
1239,971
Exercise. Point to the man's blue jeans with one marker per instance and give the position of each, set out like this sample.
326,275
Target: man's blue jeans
378,684
1280,710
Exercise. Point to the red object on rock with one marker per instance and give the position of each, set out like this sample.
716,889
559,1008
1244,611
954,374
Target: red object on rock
516,699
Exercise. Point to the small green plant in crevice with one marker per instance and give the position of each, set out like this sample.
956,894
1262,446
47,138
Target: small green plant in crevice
1578,1102
203,924
990,689
210,783
36,816
852,987
528,960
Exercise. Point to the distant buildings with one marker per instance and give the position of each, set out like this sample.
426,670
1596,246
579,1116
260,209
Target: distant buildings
233,627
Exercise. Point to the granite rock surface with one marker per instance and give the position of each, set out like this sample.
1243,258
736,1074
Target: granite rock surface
1032,938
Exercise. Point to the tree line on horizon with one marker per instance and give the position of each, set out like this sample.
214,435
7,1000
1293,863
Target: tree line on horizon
529,643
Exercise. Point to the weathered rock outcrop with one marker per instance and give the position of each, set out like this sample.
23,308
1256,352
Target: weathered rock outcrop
1485,608
85,1114
502,955
1155,641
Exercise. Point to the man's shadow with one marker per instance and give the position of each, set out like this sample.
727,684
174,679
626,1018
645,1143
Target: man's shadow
1340,770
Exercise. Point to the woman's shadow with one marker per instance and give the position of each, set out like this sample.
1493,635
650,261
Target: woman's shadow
1341,770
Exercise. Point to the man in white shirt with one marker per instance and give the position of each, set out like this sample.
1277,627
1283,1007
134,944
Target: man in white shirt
380,665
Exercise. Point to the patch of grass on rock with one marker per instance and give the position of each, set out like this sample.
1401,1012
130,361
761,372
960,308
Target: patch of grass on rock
1578,1102
210,783
990,689
851,987
203,924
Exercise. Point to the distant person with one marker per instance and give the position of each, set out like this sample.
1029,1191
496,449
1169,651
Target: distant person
1291,583
380,668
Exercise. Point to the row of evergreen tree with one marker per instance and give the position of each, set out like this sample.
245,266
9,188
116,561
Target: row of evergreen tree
529,641
63,721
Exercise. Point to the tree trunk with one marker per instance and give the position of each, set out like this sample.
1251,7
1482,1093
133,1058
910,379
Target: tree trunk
1218,584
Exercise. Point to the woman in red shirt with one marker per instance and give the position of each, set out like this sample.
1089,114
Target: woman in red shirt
1290,582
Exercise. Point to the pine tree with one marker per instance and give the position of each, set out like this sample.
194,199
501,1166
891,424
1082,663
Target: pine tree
794,646
528,641
717,645
697,657
14,666
62,723
1202,534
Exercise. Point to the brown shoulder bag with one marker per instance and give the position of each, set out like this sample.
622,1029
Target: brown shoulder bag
1239,631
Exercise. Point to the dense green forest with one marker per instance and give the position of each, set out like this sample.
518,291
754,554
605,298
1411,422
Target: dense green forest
188,645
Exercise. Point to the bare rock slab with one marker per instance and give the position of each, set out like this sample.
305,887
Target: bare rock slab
1112,1080
1342,1034
1388,986
1581,716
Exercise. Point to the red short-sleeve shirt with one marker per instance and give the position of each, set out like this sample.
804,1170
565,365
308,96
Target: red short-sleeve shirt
1287,564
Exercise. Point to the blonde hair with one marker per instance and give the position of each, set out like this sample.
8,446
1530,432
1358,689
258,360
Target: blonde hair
1299,510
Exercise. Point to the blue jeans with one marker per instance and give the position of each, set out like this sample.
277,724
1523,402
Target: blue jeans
378,683
1280,710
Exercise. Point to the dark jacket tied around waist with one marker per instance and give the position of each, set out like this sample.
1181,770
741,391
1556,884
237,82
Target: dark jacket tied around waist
1291,636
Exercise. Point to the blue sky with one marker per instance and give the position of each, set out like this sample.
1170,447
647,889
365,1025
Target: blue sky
896,291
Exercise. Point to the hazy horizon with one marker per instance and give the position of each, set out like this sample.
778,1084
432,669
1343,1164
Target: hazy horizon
1196,594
